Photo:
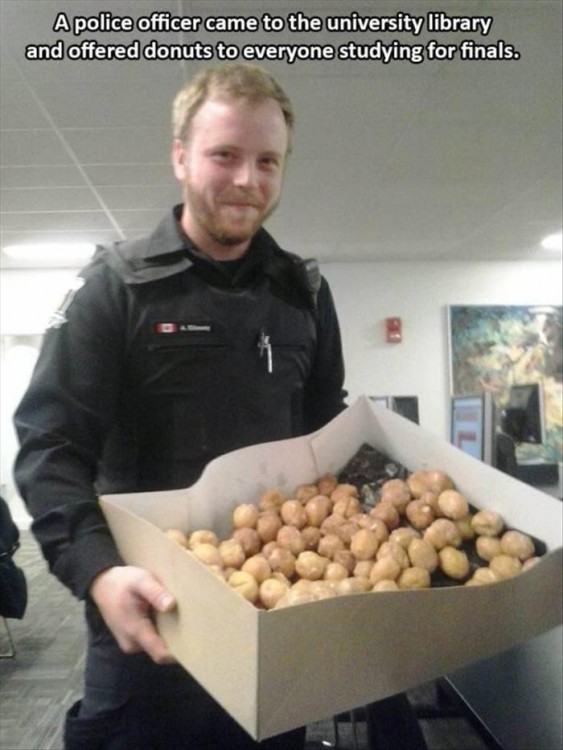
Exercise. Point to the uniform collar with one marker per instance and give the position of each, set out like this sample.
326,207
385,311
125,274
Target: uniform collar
168,236
168,251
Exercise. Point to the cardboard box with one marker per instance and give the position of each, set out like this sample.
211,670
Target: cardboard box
280,669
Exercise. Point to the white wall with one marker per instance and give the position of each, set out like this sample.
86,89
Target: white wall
365,294
419,293
29,298
27,301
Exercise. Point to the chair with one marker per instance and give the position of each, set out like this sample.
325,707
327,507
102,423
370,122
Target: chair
11,651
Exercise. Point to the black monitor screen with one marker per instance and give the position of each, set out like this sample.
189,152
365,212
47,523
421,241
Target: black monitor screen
523,416
407,406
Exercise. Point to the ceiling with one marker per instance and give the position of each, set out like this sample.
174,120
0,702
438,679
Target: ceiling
442,160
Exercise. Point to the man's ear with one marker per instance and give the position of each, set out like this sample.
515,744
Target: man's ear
178,156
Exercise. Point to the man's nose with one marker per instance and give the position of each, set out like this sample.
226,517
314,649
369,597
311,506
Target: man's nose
246,174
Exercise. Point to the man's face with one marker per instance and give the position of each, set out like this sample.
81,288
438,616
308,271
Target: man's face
231,170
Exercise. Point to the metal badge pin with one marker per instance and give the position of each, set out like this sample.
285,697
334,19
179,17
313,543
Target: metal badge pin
264,345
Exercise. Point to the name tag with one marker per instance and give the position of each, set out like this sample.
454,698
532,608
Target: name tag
171,327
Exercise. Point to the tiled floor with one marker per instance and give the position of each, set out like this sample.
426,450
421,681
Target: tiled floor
45,677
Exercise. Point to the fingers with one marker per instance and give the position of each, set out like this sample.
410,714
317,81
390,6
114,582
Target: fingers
125,596
149,641
145,637
155,594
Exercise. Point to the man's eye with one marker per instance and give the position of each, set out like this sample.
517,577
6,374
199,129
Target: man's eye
223,156
270,162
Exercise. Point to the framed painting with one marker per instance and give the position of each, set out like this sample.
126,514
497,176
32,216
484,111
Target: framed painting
493,347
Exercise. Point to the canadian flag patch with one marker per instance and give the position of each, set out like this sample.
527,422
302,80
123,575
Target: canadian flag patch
166,327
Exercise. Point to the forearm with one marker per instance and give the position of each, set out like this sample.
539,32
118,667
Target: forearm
67,520
62,422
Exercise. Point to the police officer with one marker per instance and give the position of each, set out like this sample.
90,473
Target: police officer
168,351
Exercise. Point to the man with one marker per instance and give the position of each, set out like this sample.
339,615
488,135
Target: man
168,351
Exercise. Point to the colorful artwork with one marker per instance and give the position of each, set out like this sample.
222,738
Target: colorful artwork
493,347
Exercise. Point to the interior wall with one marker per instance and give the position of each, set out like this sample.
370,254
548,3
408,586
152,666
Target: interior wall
420,293
365,294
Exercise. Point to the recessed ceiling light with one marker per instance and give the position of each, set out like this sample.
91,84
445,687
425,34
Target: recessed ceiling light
51,251
552,242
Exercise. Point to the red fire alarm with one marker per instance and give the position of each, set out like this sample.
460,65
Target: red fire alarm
393,330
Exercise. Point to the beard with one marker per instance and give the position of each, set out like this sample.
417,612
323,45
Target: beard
215,219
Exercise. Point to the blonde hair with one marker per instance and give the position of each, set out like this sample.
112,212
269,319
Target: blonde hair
231,80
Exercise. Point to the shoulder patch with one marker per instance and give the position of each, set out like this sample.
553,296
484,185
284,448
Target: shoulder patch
58,318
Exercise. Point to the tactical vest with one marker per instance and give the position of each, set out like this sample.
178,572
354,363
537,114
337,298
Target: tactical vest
208,369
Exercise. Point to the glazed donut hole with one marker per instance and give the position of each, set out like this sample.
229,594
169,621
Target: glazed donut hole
321,541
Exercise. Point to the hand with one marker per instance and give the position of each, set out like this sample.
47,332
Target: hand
125,596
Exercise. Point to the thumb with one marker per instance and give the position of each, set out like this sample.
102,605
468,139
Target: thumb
155,594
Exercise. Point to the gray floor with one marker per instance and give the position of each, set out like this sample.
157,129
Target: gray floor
45,677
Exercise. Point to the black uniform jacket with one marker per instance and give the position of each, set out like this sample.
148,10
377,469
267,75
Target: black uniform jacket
158,361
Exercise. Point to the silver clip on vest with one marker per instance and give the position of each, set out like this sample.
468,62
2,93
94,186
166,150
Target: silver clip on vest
264,346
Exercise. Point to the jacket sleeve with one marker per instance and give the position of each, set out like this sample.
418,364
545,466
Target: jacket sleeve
61,424
325,395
